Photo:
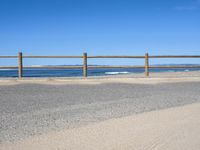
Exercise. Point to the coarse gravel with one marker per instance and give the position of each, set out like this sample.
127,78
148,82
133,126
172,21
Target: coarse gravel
32,109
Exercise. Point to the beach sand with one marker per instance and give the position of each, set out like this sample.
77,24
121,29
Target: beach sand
137,78
170,129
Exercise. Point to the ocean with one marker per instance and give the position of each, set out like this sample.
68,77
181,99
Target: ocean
79,72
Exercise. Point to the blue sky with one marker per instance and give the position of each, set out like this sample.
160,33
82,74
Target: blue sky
99,27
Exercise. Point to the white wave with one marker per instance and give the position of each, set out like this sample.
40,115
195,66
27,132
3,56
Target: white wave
186,70
113,73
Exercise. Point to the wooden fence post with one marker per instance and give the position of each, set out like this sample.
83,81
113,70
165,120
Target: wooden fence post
146,64
85,65
20,66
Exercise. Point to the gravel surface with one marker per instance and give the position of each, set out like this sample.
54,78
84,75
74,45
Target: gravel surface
32,109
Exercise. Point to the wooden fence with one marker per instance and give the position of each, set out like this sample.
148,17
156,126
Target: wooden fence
85,67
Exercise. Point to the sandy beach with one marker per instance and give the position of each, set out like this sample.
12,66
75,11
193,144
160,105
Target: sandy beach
137,78
101,113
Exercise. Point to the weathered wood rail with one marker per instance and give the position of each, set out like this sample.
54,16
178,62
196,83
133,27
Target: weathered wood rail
85,66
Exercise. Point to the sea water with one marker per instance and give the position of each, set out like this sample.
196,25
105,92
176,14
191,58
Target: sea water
79,72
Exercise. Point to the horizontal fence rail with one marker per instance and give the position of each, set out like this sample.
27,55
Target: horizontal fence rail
85,66
176,56
55,67
115,57
8,56
52,56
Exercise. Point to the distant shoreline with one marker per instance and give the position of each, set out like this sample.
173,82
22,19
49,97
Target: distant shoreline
96,72
137,78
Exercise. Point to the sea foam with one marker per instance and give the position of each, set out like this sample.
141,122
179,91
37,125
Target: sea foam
112,73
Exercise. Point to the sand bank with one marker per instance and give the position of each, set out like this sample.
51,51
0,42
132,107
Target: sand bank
154,78
170,129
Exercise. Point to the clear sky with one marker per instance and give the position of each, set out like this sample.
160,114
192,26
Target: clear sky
99,27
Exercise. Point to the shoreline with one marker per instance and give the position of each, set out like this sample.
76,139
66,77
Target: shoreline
138,78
